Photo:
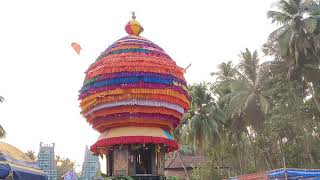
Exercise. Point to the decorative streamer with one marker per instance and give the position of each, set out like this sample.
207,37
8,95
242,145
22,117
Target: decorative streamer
137,102
108,99
133,109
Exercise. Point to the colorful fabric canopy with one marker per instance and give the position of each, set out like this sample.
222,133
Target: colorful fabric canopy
282,174
15,163
311,174
134,83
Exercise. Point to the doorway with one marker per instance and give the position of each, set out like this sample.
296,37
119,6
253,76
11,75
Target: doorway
143,160
110,163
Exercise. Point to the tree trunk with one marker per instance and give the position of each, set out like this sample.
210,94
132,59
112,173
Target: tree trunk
313,93
184,167
281,150
316,55
239,157
253,149
310,156
316,136
271,160
223,163
267,153
266,161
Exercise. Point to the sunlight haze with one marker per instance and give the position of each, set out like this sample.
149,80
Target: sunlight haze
41,74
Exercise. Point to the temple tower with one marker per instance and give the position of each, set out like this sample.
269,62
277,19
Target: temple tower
46,160
134,94
90,166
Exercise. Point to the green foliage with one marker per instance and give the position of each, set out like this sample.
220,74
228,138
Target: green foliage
255,115
201,122
297,41
31,155
208,171
2,132
172,178
63,166
119,178
104,175
186,150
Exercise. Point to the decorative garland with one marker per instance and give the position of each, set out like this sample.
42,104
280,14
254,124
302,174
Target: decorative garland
134,102
132,74
168,126
133,109
172,145
109,99
119,91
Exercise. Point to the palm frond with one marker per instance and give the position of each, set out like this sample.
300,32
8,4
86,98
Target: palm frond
313,9
236,105
278,33
240,85
242,77
264,104
310,25
304,7
1,99
226,98
279,17
251,99
225,71
248,64
283,42
290,7
2,132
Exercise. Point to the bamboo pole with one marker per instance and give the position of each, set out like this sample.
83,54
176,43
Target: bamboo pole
184,167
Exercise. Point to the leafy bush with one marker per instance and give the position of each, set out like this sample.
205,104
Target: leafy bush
119,178
172,178
206,173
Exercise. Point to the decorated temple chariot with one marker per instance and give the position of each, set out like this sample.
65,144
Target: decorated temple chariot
134,94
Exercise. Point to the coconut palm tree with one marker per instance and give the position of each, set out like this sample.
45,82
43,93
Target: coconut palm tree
224,76
297,35
245,104
297,41
202,122
225,72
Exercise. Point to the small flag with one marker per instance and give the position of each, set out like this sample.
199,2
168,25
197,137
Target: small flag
76,47
188,66
185,69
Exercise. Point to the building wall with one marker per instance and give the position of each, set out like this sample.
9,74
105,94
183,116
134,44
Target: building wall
46,161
